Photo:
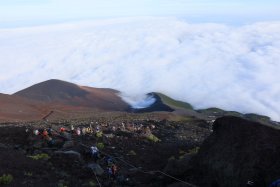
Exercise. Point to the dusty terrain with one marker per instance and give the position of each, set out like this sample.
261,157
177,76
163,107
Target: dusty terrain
134,152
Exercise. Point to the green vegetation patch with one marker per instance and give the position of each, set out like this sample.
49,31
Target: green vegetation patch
174,103
42,156
171,158
194,150
132,153
257,117
6,179
153,138
92,184
99,134
61,183
211,111
100,145
28,174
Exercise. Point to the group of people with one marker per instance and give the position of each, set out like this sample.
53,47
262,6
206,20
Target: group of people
48,133
111,166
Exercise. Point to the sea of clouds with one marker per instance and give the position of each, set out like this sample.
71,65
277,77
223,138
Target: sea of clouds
207,65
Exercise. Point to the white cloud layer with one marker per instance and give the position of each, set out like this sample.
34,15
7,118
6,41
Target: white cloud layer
234,68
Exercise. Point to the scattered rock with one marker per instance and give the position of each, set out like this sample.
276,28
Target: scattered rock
68,144
96,168
178,167
38,144
67,159
180,184
109,135
3,146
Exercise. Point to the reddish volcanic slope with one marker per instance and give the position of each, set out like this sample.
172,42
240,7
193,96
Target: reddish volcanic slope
52,90
14,108
69,94
58,98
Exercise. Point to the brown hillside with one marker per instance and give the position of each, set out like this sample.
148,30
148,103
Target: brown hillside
15,108
61,92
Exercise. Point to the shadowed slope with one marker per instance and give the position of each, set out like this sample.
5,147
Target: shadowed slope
238,150
158,105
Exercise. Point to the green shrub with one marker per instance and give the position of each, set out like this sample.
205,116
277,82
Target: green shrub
99,134
92,184
181,152
171,158
100,145
28,174
6,179
193,150
40,156
153,138
132,153
61,183
182,157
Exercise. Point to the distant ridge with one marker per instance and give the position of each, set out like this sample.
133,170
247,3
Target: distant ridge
67,100
174,103
52,90
158,105
62,92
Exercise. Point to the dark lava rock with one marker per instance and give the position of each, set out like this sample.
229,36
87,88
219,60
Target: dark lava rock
180,184
67,159
25,170
177,167
96,168
238,150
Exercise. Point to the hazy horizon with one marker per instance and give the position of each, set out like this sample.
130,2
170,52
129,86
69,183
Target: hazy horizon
21,13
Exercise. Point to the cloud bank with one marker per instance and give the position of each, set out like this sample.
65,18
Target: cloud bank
234,68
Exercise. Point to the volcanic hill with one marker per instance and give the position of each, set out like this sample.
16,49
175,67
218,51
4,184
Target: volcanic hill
65,93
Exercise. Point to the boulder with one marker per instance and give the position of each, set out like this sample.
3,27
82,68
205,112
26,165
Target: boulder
68,159
96,168
68,144
238,150
178,167
3,146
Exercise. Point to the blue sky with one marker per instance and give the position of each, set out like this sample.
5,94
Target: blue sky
28,12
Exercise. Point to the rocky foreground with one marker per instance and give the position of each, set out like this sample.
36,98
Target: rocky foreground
140,148
236,152
147,152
